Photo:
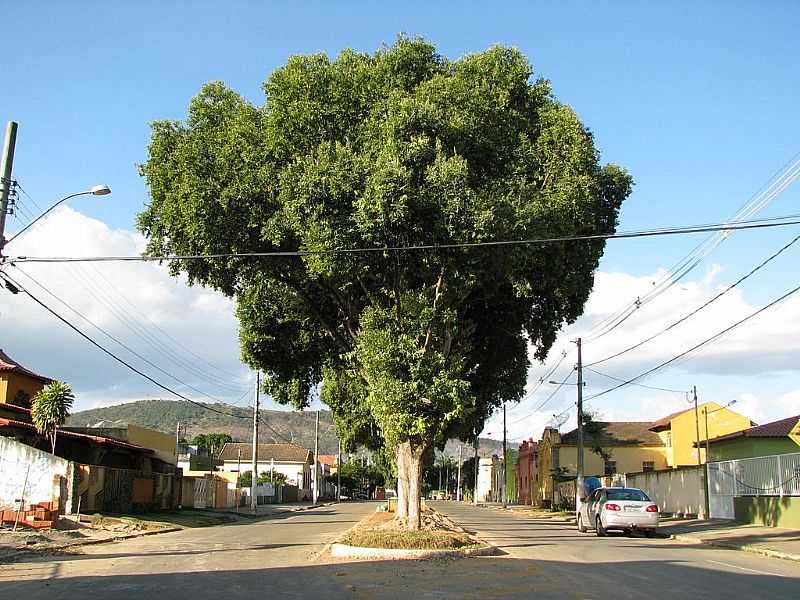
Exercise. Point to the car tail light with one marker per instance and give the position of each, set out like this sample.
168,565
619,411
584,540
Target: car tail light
612,506
652,508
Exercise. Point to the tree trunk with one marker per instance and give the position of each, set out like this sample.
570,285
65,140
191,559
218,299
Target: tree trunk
414,470
403,452
53,442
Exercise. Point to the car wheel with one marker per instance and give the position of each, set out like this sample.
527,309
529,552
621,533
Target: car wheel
581,527
601,531
651,533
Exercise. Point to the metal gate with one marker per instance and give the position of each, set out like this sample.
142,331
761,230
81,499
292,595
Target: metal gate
721,490
201,489
777,475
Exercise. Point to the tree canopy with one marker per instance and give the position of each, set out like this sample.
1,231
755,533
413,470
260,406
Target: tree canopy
213,442
386,151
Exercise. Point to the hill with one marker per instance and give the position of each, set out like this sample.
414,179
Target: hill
277,426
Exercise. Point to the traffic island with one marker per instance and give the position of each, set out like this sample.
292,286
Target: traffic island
382,536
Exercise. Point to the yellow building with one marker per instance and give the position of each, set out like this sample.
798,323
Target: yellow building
679,431
18,385
630,446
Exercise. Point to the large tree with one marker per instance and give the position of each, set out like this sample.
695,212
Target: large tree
391,150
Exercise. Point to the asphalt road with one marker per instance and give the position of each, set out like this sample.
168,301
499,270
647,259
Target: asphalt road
561,562
280,558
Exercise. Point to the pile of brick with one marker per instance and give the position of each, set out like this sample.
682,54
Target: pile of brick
36,516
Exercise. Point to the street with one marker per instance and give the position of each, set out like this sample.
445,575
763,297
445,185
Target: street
281,556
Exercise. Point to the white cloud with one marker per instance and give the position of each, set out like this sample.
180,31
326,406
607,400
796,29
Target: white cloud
157,315
756,364
147,309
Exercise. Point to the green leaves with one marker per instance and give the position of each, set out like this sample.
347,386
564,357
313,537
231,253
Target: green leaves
397,148
50,409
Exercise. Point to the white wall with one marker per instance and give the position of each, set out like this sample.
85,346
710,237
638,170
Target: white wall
294,471
680,491
46,471
488,484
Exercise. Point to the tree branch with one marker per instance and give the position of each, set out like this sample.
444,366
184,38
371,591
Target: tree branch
436,297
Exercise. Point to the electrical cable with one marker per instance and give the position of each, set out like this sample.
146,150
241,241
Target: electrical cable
696,346
649,387
730,226
102,348
117,340
701,307
782,179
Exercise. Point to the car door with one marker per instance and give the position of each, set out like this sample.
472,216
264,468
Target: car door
597,502
591,507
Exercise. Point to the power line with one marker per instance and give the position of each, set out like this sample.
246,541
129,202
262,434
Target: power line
779,181
133,322
117,340
696,346
701,307
18,286
730,226
135,326
547,400
548,373
649,387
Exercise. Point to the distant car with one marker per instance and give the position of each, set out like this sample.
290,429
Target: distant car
621,509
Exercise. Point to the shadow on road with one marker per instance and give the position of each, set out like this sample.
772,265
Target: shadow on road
465,579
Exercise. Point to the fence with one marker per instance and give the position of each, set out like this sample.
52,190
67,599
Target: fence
770,476
678,491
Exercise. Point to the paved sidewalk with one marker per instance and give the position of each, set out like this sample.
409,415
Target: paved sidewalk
767,541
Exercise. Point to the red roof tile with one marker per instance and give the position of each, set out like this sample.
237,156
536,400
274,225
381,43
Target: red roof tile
618,433
97,439
9,365
277,452
776,429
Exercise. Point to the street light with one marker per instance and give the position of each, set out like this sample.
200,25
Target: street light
706,411
98,190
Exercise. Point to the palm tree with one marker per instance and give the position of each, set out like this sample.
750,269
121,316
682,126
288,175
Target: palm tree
50,409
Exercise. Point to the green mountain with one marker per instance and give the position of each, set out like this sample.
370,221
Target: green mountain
276,426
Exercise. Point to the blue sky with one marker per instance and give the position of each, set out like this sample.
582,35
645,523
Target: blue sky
698,100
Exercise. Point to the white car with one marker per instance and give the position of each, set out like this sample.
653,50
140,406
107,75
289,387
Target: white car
622,509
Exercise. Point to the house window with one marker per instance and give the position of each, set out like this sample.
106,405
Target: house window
611,467
669,439
648,465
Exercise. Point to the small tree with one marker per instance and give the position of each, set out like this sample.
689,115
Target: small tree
273,476
213,442
50,409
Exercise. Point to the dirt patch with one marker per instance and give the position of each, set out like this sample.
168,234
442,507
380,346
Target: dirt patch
15,545
383,530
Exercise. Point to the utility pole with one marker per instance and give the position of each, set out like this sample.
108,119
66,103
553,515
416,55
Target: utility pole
339,472
475,491
6,164
254,472
458,486
316,459
505,456
579,481
177,438
697,424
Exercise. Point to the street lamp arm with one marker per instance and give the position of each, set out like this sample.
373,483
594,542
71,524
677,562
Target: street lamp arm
99,190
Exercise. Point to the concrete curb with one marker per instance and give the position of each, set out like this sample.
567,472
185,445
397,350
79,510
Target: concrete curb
345,551
734,546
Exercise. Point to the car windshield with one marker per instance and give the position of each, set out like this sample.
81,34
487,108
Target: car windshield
627,494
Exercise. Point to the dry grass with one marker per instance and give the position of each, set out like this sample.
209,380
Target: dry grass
382,530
